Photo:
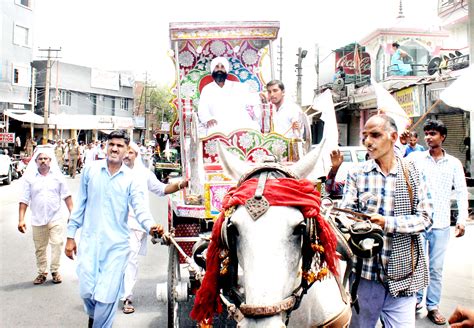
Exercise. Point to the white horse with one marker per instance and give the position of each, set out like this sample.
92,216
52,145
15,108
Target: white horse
269,251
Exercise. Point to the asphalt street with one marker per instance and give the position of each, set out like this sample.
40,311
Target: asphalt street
49,305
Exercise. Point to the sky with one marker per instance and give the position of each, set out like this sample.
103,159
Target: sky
133,35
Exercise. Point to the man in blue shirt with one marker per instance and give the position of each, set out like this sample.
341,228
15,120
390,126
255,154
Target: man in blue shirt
413,144
106,190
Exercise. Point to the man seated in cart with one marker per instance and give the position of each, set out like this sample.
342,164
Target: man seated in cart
225,105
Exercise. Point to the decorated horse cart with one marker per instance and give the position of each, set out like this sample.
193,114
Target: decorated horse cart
195,210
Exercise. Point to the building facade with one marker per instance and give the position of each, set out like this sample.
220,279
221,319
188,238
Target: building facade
16,41
83,102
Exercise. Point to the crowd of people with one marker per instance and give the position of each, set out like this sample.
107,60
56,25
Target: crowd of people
403,190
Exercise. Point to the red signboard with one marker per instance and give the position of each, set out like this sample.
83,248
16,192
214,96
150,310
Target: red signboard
7,137
360,66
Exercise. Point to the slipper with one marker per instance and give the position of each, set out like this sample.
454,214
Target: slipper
40,279
436,317
128,307
57,278
419,307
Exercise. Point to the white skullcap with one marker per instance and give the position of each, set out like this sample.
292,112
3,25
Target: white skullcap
220,60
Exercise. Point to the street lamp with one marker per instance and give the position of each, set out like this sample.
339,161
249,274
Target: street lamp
301,54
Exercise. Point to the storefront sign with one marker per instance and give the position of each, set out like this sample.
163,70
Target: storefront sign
409,100
7,137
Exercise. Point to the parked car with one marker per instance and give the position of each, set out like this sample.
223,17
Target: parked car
352,154
6,169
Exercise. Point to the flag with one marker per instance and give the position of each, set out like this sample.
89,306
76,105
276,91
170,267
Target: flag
458,94
356,60
387,104
330,139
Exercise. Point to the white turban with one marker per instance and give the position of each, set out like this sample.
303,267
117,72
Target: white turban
138,164
220,60
32,166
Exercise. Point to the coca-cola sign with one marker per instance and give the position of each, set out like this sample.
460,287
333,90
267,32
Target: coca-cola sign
347,61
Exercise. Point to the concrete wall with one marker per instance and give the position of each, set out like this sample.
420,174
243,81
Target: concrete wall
12,55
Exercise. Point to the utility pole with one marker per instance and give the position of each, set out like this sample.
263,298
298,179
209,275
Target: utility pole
316,66
301,54
471,54
146,106
33,99
46,91
280,58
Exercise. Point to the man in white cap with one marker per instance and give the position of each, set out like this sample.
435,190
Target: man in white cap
224,105
138,235
44,188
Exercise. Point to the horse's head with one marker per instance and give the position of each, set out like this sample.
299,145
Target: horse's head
265,239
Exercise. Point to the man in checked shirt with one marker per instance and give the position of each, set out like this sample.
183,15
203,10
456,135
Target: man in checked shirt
443,174
395,196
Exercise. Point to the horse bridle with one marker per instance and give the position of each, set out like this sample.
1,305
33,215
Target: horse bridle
257,206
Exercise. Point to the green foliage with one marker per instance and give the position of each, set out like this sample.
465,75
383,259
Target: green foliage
159,105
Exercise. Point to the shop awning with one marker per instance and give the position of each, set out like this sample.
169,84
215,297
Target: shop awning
24,115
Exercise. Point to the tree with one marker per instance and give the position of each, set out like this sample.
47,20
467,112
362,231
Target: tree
159,106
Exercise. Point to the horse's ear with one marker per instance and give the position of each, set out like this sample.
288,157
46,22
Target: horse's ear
231,164
305,166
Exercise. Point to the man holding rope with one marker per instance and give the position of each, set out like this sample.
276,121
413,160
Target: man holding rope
395,197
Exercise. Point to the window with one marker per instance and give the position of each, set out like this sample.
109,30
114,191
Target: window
124,104
24,3
65,97
20,75
21,36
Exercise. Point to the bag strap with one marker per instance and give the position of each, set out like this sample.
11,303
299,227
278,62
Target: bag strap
407,180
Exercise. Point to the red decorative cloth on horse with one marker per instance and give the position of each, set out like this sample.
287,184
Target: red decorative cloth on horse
279,192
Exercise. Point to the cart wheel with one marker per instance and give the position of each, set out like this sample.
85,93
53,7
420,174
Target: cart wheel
174,278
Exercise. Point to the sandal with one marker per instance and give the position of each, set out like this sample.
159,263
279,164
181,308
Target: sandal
419,307
436,317
128,307
57,278
40,279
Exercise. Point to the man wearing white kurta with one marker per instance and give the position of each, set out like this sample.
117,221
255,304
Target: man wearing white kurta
137,234
286,116
44,187
224,105
106,190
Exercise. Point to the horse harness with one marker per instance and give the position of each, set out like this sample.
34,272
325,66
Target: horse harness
256,207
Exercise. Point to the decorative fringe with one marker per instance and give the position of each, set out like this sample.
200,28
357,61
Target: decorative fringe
279,192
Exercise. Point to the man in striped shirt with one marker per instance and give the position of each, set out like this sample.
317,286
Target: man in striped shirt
380,187
443,174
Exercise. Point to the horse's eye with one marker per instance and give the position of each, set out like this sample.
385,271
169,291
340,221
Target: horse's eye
300,229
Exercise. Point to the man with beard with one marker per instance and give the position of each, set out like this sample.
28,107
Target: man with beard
224,105
395,197
107,189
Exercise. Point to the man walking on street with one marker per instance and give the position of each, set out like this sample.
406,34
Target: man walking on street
138,235
443,174
413,144
73,155
44,188
395,197
105,192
